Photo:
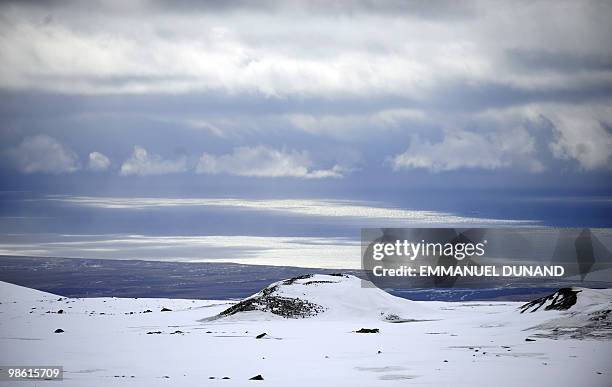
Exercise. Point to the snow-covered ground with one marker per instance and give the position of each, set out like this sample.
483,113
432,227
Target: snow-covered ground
310,339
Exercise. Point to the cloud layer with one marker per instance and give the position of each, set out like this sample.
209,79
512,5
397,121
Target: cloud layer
261,161
306,89
246,50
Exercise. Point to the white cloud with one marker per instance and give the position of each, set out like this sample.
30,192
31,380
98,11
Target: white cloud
581,132
261,161
43,154
142,163
463,149
583,138
98,161
144,49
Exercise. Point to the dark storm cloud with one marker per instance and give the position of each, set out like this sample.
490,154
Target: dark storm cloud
475,97
442,10
560,61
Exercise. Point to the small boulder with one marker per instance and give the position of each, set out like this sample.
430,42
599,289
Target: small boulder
59,330
368,330
166,310
257,377
261,335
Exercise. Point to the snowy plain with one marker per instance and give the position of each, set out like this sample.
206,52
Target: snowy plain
114,341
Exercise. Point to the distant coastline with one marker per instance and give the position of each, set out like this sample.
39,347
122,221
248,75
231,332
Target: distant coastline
76,277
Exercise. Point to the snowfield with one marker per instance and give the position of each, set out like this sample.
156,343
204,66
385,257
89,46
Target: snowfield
308,336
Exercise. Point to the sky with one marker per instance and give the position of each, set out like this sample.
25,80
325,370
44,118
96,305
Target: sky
494,110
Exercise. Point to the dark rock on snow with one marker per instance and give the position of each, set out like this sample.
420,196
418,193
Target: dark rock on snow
368,330
563,299
268,300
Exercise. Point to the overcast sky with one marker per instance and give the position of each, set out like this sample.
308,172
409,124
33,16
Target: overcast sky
326,96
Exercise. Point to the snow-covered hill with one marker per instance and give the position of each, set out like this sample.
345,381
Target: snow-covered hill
333,297
162,342
10,293
576,299
574,312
